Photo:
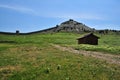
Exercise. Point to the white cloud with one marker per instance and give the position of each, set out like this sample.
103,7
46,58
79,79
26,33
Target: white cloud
18,8
53,14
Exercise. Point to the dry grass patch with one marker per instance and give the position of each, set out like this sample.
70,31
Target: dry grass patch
6,71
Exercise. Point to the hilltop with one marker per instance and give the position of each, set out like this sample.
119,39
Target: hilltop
73,26
68,26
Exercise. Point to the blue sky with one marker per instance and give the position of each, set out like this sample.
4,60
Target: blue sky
34,15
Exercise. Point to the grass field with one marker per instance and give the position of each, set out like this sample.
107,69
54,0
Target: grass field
31,57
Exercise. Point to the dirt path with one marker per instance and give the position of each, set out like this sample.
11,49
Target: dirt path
114,59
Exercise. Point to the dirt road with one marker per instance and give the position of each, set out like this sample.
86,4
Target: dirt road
113,59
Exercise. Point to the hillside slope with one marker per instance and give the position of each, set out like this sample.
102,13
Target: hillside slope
69,26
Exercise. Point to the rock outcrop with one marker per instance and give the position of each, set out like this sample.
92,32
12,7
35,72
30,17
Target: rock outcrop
69,26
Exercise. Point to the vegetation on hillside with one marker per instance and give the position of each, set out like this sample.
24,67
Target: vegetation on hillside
31,57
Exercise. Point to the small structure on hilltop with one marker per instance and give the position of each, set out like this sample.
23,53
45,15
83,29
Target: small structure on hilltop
88,39
17,32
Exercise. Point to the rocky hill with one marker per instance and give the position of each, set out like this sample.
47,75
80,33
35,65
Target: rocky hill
73,26
69,26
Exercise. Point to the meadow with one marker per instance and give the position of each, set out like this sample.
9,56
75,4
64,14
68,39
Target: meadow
32,57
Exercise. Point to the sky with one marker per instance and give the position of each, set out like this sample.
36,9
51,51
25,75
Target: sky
34,15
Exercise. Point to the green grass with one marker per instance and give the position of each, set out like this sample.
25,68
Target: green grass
32,57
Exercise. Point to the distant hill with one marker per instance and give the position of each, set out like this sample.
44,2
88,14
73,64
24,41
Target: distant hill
73,26
68,26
